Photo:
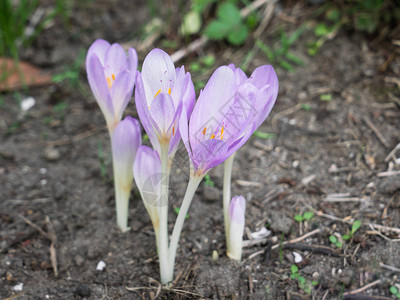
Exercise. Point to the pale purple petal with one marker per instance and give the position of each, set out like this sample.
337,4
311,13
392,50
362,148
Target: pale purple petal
209,154
213,104
237,209
162,113
99,87
264,75
158,73
239,74
99,47
116,60
142,108
147,174
121,92
125,140
184,131
132,60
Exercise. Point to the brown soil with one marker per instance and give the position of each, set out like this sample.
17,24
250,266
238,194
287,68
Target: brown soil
51,160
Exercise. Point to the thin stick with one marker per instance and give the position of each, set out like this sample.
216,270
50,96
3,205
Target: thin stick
392,153
350,199
391,268
30,223
381,227
311,233
376,131
321,214
369,285
388,173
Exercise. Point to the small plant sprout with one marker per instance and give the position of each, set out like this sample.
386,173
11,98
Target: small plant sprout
236,227
354,227
111,75
125,141
308,215
395,291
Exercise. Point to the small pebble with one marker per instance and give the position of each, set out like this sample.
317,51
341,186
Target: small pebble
28,103
52,154
211,193
82,290
18,287
100,265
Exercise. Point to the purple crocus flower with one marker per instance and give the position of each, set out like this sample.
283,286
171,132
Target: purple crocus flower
161,93
236,227
111,74
227,112
125,141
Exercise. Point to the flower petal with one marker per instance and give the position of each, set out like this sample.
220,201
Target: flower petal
237,209
239,74
264,75
132,60
115,60
125,140
147,174
121,92
99,47
213,104
98,84
158,73
209,154
143,111
162,113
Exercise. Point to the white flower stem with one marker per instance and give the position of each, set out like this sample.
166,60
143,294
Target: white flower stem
228,164
122,194
194,182
163,213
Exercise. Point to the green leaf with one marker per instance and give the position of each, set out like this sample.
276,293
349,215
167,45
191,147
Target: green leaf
306,106
264,135
295,275
333,239
326,97
298,218
308,215
295,35
287,66
321,30
339,244
177,210
295,59
333,15
393,290
314,282
208,60
229,14
191,23
195,67
302,280
217,30
267,51
356,225
346,237
238,36
208,181
294,269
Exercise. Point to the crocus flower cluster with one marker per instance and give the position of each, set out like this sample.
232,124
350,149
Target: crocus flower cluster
227,112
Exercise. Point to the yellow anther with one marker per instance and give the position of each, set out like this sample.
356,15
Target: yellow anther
222,131
204,131
169,91
173,130
222,136
109,82
159,91
212,136
113,76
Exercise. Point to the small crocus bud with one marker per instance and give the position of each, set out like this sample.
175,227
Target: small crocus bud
236,212
125,141
147,174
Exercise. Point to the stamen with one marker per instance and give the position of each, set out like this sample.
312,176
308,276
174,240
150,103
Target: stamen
222,136
222,130
204,131
212,136
173,130
113,76
109,82
169,91
159,91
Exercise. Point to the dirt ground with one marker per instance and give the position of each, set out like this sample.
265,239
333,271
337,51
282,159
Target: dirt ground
328,157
